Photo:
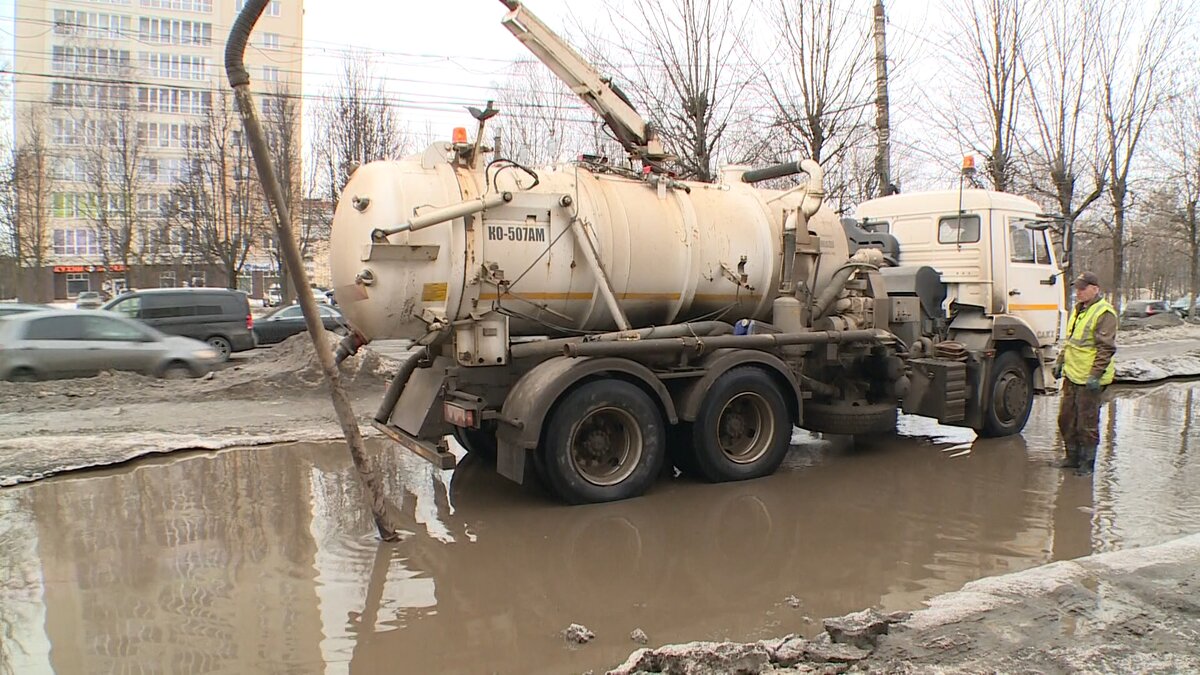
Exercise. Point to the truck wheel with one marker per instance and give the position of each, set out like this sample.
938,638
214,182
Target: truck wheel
848,419
605,441
742,428
478,442
1010,396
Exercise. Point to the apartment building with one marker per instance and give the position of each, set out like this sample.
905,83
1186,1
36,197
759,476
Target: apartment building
132,169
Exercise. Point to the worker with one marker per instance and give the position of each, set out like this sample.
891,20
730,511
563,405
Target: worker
1086,363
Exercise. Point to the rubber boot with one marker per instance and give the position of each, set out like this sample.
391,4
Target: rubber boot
1072,459
1087,460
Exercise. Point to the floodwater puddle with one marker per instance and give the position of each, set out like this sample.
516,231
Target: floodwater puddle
263,559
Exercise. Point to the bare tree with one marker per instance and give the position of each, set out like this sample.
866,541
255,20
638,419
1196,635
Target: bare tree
680,58
356,123
1183,146
536,109
1057,63
217,197
992,33
822,90
1133,47
33,189
113,158
281,121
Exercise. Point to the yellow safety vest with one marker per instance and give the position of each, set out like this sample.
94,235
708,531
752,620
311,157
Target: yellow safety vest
1080,351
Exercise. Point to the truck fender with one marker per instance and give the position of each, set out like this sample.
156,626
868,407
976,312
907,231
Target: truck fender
530,399
1007,328
726,359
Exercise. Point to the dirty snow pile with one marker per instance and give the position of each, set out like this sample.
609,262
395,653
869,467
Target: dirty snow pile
287,369
1128,611
275,395
1155,368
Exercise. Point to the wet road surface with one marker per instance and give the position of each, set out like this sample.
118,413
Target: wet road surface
262,560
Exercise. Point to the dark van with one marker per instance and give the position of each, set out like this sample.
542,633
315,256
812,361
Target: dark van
217,316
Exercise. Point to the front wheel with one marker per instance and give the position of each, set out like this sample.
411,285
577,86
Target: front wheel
1009,396
742,429
605,441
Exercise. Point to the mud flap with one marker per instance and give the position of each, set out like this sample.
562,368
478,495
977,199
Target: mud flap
419,410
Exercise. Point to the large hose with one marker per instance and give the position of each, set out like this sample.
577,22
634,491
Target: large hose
869,258
544,348
697,346
256,139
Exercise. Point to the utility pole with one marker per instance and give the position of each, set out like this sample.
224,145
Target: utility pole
883,167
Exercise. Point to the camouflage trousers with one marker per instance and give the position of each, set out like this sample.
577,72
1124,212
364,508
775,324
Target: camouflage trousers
1079,415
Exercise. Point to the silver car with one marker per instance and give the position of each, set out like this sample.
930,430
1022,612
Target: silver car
81,343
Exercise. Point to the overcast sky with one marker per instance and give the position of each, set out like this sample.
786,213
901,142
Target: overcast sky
437,56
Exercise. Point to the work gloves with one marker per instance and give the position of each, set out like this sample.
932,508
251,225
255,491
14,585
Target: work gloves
1058,371
1093,383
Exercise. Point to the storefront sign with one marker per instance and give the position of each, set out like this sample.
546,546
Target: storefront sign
64,269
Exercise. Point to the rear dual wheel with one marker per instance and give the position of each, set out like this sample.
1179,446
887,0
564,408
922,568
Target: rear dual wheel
742,430
605,441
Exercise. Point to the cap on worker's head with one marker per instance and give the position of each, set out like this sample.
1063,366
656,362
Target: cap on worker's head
1086,279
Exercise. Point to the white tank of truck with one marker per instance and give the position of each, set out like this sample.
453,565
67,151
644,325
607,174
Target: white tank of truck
677,253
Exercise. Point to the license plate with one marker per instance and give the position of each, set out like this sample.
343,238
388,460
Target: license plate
458,415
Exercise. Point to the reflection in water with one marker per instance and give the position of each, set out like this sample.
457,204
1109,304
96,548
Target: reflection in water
264,560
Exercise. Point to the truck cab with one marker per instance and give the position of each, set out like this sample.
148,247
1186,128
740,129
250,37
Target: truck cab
994,257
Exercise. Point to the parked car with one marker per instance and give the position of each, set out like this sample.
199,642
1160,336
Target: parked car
320,295
217,316
88,300
1141,309
274,296
288,321
329,294
11,308
59,343
1184,307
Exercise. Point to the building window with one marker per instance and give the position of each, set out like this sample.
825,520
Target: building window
89,60
174,32
76,242
180,5
270,74
175,66
91,24
273,7
168,100
166,279
78,282
270,41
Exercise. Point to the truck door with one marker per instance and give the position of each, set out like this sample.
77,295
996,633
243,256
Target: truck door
1033,280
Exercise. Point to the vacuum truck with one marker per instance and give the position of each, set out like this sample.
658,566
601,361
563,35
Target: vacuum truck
593,323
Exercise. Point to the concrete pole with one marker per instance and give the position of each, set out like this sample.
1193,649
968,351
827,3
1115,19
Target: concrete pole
883,167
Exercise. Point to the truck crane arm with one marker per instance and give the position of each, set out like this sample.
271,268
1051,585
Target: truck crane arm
632,131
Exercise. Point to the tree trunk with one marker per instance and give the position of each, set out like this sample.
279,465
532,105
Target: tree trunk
1118,250
1194,259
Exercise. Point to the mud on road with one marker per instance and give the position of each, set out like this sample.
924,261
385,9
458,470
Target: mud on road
246,560
273,395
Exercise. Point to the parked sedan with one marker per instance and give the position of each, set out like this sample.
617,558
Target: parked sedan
288,321
11,308
66,343
89,300
1141,309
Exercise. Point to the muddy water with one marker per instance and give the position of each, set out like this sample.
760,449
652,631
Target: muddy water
257,561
